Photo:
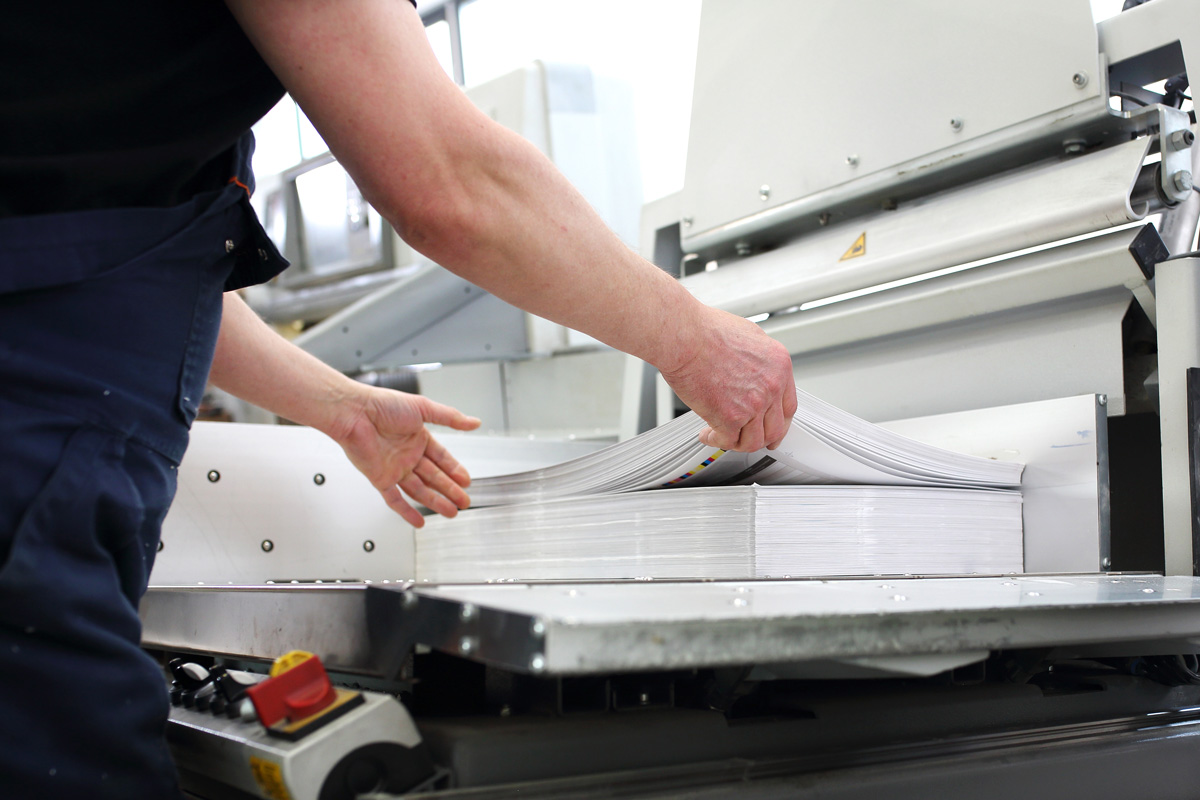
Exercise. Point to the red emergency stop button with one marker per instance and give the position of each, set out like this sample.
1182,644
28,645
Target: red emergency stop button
299,697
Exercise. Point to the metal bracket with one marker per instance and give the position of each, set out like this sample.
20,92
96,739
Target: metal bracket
1173,131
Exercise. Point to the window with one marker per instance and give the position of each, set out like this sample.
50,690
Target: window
649,44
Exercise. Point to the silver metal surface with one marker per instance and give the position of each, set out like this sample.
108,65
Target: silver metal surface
598,628
263,622
594,628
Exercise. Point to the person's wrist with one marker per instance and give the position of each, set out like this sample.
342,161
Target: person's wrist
344,409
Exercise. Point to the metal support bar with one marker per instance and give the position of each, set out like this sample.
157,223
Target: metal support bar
1178,292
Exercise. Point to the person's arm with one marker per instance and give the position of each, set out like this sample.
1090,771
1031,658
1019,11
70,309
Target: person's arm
484,203
382,431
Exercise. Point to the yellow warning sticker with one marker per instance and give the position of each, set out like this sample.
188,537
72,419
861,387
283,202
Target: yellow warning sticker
859,248
269,777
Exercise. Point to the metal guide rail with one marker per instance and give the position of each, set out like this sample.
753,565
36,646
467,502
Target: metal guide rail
595,628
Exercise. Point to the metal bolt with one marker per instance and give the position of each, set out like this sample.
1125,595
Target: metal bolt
368,545
852,161
160,545
537,663
213,476
267,545
466,644
1102,399
764,193
956,124
467,612
319,479
823,220
687,221
742,248
1181,139
1106,562
1080,79
1182,180
1074,146
229,245
538,628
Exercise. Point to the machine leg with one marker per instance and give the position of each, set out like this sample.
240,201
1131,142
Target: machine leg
1178,292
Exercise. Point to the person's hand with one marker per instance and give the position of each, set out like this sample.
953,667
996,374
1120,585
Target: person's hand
387,440
739,380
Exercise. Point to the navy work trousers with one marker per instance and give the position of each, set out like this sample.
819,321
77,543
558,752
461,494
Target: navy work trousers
108,321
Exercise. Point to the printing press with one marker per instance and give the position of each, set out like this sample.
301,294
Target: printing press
946,215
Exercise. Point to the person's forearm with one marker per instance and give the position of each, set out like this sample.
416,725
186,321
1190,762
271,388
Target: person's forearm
522,232
258,365
472,195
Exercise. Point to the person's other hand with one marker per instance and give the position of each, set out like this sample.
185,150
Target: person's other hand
387,440
739,380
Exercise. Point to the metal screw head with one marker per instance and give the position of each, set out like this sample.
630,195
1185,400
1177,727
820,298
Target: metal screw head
467,612
368,545
466,644
229,245
262,254
1080,79
956,124
538,628
852,161
764,193
1074,146
319,479
823,220
1106,562
1182,180
1102,399
742,248
160,545
1181,139
267,545
537,663
687,221
213,476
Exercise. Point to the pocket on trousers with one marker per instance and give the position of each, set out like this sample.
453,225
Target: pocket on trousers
57,523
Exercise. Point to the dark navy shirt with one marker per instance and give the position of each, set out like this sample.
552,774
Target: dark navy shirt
134,103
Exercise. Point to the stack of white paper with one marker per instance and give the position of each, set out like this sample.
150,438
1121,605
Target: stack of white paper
824,446
730,532
913,508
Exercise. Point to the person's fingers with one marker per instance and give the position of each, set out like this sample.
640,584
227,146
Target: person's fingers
723,438
447,463
442,483
750,437
439,414
775,427
396,502
414,486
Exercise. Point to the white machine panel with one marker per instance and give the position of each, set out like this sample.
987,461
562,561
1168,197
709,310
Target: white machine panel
799,98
